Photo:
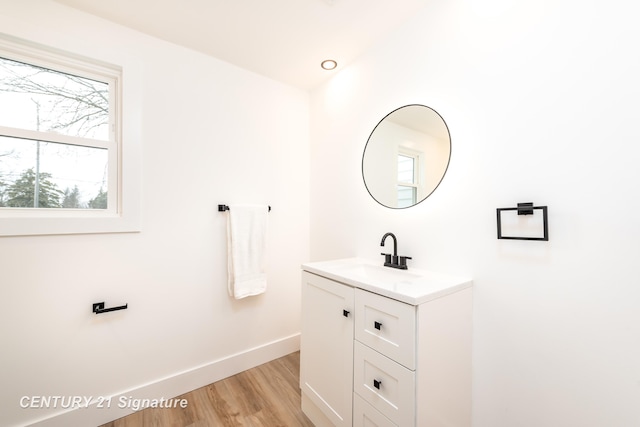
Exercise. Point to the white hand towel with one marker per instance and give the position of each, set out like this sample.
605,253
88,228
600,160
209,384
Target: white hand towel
246,249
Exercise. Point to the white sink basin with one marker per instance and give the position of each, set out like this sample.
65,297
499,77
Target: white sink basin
376,272
412,286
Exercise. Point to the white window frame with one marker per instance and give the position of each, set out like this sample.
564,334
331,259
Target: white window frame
417,167
122,214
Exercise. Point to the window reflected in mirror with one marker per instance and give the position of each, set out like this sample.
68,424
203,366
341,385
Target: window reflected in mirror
407,179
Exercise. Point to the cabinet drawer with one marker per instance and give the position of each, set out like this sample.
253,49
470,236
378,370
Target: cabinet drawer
385,384
365,415
386,325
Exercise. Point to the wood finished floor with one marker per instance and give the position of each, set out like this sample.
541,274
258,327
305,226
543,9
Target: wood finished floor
265,396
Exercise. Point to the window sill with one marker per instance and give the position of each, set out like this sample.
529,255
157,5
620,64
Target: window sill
70,224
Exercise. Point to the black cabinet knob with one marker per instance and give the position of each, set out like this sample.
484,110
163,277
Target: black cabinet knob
377,325
345,313
377,384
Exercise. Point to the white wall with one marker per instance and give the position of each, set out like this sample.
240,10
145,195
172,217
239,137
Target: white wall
541,99
211,133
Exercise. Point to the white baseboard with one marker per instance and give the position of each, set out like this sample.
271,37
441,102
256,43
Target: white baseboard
172,386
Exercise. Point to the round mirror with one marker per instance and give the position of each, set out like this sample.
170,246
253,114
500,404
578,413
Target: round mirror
406,156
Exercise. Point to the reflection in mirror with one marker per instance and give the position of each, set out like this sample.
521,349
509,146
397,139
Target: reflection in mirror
406,156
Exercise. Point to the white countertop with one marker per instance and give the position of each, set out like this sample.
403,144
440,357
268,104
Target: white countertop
411,286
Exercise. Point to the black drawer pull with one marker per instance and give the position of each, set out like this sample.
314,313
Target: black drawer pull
377,384
345,313
377,325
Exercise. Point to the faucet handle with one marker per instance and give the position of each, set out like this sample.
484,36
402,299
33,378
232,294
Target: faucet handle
402,262
387,259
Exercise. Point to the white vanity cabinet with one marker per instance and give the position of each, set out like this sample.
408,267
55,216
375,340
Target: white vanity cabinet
326,370
394,360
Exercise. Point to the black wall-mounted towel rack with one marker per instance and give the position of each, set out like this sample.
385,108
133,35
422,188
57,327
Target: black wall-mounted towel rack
222,208
98,308
525,209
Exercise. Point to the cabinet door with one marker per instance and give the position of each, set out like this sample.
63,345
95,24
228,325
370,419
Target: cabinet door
326,347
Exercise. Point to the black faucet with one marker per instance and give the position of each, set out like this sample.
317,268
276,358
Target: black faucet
394,261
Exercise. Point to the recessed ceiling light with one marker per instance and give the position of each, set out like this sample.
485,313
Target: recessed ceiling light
329,64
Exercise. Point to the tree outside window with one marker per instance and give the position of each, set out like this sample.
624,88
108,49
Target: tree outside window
55,138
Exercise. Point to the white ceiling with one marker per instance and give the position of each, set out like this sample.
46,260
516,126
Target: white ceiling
285,40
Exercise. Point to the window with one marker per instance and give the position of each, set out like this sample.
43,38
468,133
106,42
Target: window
407,179
60,148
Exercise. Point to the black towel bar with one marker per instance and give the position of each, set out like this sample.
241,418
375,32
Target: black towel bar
222,208
98,307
